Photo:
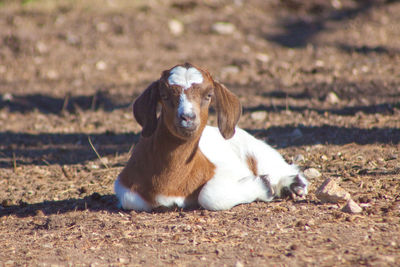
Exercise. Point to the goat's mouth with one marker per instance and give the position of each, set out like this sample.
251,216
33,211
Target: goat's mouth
186,131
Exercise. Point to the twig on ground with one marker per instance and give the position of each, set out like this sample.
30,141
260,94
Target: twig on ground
98,155
14,162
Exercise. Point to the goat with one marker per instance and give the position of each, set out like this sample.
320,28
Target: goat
180,161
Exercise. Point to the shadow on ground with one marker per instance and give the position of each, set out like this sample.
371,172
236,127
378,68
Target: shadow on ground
299,30
383,108
366,50
94,202
62,149
49,104
287,136
49,148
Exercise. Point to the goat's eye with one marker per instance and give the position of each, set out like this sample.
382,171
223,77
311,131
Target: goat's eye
208,96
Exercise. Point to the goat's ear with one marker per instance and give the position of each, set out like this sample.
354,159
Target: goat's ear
228,110
145,109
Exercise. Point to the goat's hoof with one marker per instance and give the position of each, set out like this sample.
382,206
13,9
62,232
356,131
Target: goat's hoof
298,188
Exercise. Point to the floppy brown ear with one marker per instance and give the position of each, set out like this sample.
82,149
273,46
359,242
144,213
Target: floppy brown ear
145,109
229,110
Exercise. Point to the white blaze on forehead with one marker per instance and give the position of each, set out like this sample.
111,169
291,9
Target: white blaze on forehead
184,77
185,106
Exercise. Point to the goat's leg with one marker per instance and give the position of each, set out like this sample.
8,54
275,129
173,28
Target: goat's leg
285,179
222,193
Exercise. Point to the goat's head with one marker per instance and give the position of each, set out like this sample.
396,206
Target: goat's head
185,93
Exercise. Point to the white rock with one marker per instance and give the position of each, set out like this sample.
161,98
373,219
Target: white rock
94,166
319,63
336,4
41,47
263,57
364,69
332,98
123,260
312,173
101,65
331,192
352,207
223,28
258,115
8,97
324,157
175,27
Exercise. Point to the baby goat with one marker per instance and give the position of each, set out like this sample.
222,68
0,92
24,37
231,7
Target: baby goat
179,161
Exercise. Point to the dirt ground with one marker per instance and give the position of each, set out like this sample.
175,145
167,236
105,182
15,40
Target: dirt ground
319,81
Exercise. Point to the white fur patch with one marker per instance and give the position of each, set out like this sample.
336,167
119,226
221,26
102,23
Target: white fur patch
233,182
168,201
185,106
130,200
184,77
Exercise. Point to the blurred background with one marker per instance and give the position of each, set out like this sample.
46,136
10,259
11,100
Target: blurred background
307,72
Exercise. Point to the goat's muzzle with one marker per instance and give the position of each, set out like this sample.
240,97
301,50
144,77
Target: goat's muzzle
187,124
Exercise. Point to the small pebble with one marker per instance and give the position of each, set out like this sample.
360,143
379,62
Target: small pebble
7,97
352,207
101,65
41,47
175,27
259,115
263,57
336,4
123,260
331,192
40,213
319,63
94,166
312,173
223,28
332,98
324,157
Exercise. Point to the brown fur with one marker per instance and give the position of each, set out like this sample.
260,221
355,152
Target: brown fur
252,163
166,166
145,109
228,114
167,161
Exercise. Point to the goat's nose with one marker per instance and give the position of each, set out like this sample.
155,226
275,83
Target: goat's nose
188,116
